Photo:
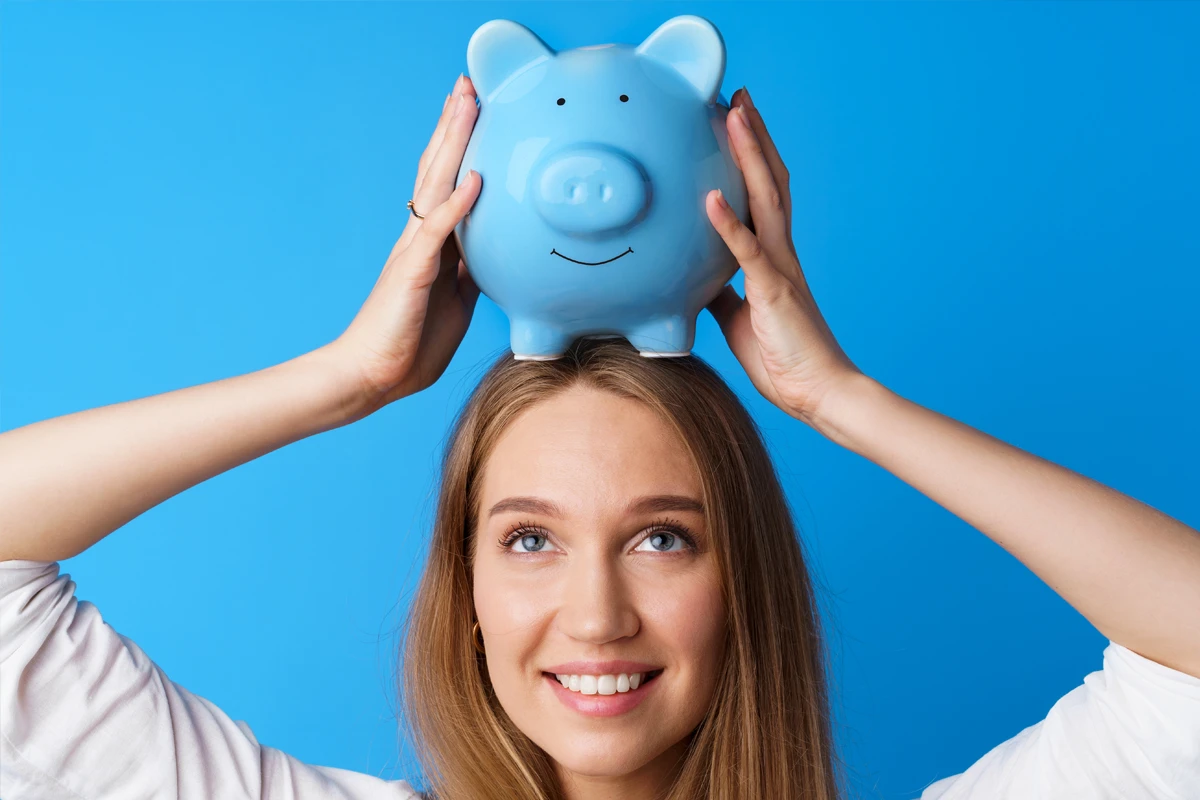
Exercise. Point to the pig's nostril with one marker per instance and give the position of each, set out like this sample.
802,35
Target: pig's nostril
589,189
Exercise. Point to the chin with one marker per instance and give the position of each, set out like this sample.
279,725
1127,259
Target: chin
600,756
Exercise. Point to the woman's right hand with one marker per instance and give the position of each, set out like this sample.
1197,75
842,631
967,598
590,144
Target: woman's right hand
388,346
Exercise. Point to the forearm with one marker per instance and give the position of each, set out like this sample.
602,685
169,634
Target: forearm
1129,569
67,482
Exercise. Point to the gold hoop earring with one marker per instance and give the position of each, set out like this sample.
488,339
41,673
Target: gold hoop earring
477,638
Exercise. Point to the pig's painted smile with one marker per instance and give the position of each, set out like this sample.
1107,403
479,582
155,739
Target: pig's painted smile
590,263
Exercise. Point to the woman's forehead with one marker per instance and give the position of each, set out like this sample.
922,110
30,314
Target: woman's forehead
590,447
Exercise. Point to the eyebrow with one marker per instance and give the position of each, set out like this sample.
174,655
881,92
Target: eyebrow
643,505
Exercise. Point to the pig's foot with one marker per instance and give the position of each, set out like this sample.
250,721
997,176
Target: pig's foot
532,340
664,337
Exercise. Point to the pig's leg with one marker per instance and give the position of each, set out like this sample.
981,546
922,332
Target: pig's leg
665,336
533,340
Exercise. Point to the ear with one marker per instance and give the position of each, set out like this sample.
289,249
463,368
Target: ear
498,50
693,47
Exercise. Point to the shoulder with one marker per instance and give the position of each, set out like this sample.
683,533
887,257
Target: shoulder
1130,729
86,713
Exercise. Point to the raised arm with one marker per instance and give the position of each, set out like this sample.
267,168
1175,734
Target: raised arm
1132,571
67,482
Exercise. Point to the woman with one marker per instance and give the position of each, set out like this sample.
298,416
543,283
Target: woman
616,603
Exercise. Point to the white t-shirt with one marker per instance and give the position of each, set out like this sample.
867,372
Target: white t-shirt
86,715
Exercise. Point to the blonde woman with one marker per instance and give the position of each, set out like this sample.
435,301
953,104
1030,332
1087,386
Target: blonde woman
616,604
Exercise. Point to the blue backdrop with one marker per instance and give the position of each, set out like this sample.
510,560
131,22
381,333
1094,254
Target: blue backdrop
996,207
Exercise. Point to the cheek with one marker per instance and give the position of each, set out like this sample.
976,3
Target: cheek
509,605
689,616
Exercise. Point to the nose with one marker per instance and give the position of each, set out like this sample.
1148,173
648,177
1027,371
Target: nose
590,189
597,607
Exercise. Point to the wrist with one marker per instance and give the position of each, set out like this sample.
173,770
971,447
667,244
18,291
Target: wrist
350,396
843,406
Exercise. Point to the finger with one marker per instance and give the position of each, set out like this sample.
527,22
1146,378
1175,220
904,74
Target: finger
421,198
440,178
766,199
749,251
770,152
427,243
732,315
724,309
435,140
733,151
724,306
464,85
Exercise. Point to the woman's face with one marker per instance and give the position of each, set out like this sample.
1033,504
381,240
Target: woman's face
596,499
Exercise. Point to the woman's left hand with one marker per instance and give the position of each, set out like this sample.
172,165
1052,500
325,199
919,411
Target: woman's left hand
776,332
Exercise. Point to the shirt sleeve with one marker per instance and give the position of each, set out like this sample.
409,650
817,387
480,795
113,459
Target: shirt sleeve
86,715
1132,730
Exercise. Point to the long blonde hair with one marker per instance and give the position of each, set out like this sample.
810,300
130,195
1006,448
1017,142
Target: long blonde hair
767,733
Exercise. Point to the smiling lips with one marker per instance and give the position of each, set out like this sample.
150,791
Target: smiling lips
596,701
591,263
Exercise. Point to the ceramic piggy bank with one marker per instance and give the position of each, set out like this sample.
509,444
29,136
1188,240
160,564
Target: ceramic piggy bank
595,163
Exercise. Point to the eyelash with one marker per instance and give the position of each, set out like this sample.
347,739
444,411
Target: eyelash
664,525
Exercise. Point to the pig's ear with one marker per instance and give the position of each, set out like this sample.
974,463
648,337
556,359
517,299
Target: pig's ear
693,47
499,49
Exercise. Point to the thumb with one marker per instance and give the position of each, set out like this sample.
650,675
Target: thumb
724,306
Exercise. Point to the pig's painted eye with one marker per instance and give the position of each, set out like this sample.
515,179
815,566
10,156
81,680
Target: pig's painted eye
624,98
562,100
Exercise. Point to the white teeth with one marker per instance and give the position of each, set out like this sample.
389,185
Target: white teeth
601,684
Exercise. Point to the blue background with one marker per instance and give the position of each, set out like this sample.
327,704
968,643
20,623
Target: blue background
996,207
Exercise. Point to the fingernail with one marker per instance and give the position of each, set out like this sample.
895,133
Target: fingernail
721,199
745,120
458,105
458,83
746,94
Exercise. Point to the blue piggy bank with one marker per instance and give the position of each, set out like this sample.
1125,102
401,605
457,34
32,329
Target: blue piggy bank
595,163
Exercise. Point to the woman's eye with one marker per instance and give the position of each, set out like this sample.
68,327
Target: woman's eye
531,543
662,542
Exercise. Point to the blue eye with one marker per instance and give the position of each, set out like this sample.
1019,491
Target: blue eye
663,538
662,542
530,543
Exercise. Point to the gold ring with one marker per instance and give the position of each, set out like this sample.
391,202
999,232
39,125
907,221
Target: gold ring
414,211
